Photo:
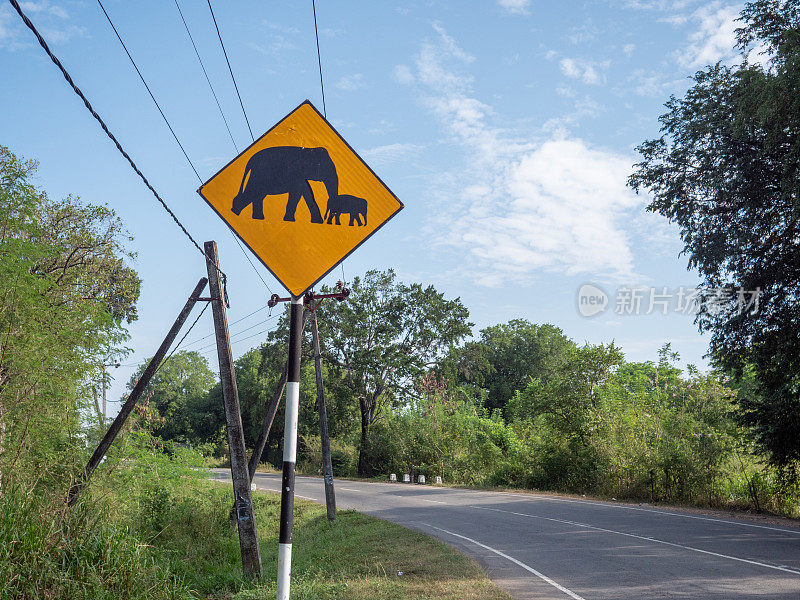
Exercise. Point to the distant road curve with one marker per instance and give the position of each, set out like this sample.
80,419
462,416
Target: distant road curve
547,547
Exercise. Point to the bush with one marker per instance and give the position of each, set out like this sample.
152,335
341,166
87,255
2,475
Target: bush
50,553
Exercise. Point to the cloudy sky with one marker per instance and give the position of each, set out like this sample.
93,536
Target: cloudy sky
507,128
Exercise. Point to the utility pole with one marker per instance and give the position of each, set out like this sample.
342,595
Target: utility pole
290,448
135,394
330,496
245,517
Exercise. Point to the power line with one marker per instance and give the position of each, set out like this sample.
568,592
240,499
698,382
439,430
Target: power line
105,128
208,79
267,330
166,360
221,43
133,62
319,59
119,37
247,256
322,86
192,343
222,114
233,335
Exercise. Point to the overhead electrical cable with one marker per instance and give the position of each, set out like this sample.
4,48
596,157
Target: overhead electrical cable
322,88
133,62
192,343
208,79
319,59
225,120
119,37
107,131
221,43
246,329
166,360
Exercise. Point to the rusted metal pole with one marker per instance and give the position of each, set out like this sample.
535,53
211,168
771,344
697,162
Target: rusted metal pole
245,517
135,394
330,495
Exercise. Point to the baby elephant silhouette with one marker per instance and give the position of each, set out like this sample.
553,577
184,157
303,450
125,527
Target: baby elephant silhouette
352,205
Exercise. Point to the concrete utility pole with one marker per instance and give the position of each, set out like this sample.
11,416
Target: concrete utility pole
245,517
330,496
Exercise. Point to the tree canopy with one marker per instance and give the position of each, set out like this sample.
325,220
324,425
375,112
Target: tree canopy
725,170
504,357
65,296
383,338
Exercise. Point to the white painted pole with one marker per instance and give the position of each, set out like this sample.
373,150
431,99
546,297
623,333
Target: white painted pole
290,449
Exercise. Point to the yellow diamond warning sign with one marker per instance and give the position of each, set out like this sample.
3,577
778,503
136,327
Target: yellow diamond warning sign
300,198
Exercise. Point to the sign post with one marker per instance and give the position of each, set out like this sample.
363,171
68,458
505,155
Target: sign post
290,448
258,194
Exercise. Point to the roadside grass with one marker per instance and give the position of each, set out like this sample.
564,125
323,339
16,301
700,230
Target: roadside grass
358,558
173,540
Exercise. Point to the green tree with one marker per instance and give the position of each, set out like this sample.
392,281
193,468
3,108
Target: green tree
503,359
384,337
178,391
65,296
725,170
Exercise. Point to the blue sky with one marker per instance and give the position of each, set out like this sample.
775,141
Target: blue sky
507,128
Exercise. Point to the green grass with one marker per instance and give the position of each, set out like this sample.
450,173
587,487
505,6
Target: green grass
176,542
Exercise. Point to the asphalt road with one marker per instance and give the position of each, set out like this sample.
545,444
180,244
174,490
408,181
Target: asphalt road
546,547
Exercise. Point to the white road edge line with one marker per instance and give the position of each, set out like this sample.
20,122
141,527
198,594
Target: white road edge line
530,569
645,538
433,501
338,487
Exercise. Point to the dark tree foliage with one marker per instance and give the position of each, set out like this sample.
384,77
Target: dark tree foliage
178,392
725,170
504,359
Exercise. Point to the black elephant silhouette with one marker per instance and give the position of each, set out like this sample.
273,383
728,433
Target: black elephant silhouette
345,204
282,170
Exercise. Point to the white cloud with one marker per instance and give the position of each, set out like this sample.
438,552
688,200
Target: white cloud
351,83
390,153
584,33
520,207
403,74
590,72
288,30
628,49
517,7
50,20
652,84
715,36
6,25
